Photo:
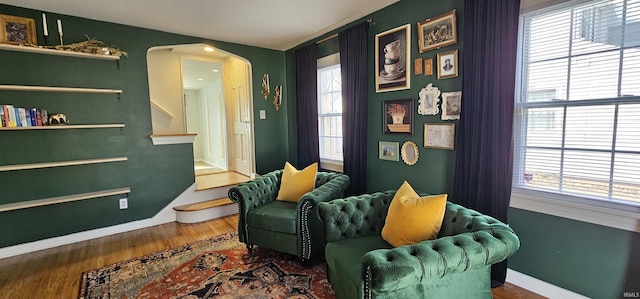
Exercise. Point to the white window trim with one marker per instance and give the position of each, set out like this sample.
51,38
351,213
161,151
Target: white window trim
333,165
325,62
615,214
612,214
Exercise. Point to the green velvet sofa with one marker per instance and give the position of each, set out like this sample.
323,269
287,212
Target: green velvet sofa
360,264
288,227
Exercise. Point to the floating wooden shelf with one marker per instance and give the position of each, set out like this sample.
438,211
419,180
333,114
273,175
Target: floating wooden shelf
60,164
60,89
65,127
61,199
57,52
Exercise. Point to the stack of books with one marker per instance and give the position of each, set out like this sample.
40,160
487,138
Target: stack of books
12,117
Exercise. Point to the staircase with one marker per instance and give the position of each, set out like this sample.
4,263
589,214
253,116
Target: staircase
205,200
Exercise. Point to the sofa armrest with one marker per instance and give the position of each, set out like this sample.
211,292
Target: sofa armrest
308,224
388,269
355,216
253,194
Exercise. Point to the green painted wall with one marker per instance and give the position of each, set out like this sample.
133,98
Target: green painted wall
156,174
593,260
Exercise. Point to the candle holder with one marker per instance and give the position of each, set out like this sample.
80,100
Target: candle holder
61,41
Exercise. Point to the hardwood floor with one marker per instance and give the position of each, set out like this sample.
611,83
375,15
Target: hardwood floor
56,272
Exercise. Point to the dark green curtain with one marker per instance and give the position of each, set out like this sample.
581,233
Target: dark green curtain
354,71
307,105
484,151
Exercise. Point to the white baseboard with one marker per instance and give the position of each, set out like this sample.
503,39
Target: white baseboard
540,287
72,238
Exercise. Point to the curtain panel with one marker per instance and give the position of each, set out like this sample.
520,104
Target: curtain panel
307,105
484,163
354,72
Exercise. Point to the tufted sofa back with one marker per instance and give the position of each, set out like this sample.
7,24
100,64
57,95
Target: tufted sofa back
365,215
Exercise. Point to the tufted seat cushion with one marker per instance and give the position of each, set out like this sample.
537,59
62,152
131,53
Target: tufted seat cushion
276,216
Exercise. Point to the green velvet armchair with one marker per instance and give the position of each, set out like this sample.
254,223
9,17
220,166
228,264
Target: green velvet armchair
288,227
360,264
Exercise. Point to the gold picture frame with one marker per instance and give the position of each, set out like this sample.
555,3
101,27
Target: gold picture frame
447,64
17,30
439,135
437,32
393,59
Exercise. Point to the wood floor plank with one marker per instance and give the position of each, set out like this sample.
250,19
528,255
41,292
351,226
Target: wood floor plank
56,272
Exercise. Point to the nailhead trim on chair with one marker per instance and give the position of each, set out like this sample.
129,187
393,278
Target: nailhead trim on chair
306,235
367,282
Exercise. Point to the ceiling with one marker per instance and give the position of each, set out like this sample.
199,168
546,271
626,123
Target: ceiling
273,24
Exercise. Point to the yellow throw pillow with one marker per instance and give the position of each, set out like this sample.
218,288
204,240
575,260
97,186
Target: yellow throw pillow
295,183
412,219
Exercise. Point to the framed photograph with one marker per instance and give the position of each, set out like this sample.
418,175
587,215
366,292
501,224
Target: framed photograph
448,64
388,151
451,105
17,30
429,99
417,66
397,116
428,67
439,135
437,32
393,59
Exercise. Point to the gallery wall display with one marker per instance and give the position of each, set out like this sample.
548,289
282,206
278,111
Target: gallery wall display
397,116
409,153
448,64
388,151
437,32
439,135
429,99
392,51
451,102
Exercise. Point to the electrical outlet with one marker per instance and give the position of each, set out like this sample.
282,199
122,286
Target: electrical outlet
123,203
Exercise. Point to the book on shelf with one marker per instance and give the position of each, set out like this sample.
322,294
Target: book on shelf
11,117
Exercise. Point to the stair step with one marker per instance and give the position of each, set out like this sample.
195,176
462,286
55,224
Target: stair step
204,205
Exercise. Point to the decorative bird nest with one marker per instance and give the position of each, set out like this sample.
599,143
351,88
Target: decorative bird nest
92,46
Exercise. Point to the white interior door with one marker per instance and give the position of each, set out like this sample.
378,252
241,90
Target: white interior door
240,143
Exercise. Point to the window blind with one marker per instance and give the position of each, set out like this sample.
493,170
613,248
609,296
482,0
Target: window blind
577,125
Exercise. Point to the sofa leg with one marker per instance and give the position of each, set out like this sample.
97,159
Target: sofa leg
249,248
305,262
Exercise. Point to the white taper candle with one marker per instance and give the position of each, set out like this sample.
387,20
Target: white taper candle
44,25
59,27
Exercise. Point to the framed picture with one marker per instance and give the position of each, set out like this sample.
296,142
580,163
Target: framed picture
428,67
388,151
437,32
439,135
429,99
448,64
451,105
393,59
397,116
17,30
417,66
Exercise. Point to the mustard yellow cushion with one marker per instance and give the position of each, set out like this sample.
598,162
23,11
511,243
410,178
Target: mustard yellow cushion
412,219
295,183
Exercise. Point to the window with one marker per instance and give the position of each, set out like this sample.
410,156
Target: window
577,124
330,112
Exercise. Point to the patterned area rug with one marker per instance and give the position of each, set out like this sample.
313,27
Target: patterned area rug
219,267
